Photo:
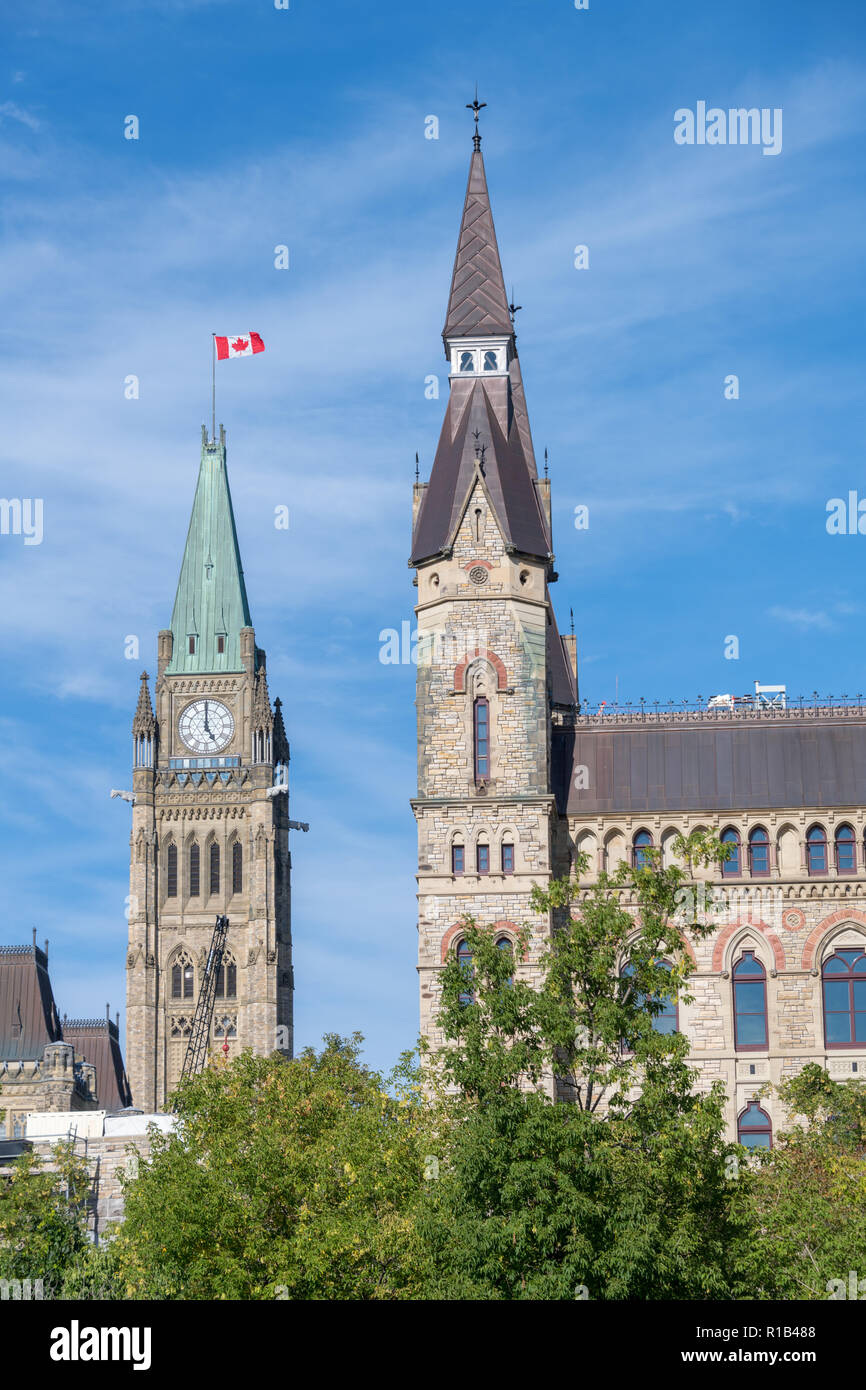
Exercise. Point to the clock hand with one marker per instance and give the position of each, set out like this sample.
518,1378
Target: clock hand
206,725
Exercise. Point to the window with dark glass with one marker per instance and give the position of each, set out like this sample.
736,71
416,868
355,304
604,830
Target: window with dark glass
227,981
483,859
504,943
182,980
482,740
750,1003
464,960
457,859
194,871
759,852
221,644
171,872
640,844
237,867
731,866
816,850
846,859
507,858
466,361
754,1128
491,361
667,1020
214,868
844,984
192,646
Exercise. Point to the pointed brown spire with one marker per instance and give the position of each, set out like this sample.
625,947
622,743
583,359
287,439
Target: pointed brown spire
143,721
281,743
478,304
262,715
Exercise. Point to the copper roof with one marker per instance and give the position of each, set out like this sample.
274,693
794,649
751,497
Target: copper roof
96,1040
477,304
707,765
28,1014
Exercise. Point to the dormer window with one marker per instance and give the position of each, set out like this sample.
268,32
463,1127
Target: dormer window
192,646
221,644
467,361
491,360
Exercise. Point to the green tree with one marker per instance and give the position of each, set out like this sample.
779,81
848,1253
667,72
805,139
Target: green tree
806,1198
292,1179
622,1192
43,1217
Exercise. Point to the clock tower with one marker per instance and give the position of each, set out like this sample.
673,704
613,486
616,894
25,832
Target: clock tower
210,819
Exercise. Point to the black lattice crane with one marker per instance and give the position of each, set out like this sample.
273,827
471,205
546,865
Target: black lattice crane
196,1052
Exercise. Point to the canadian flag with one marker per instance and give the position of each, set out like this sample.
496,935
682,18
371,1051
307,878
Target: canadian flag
241,345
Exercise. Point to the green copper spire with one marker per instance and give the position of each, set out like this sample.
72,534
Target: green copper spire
211,602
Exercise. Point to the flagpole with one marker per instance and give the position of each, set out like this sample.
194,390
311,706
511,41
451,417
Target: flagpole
213,386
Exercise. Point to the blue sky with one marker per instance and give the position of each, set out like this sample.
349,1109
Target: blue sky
306,128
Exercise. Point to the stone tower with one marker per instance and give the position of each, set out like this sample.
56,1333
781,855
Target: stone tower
492,668
209,831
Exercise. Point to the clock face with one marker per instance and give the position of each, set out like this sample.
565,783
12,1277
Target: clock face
206,726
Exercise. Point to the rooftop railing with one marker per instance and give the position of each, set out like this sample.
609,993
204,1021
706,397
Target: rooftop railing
741,709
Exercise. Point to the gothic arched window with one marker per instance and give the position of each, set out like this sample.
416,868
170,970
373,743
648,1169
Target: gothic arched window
667,1020
171,871
194,870
816,850
182,978
458,858
844,981
640,844
482,739
755,1128
464,960
731,866
507,858
750,1003
846,859
227,980
237,867
759,852
214,868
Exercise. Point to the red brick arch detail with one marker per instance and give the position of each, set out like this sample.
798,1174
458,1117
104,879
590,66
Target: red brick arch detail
810,945
689,950
497,664
729,931
453,932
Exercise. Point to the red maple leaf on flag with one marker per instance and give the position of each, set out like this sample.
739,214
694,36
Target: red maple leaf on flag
239,344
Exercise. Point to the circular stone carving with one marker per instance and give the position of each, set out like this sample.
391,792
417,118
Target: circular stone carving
793,919
478,574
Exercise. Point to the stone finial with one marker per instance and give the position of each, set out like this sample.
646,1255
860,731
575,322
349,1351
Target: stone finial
143,721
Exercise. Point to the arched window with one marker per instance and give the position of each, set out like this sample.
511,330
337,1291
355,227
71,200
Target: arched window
640,844
844,981
490,361
482,740
464,960
750,1003
507,857
731,866
237,867
171,871
759,852
846,858
667,1020
458,859
754,1128
816,850
194,870
182,978
214,868
504,943
227,980
482,858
